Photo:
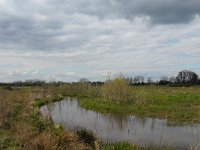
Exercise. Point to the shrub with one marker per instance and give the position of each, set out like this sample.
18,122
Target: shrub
116,90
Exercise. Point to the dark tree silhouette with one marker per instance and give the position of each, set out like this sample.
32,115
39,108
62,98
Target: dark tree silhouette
187,76
164,80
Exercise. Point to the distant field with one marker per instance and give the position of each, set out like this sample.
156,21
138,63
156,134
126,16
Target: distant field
176,104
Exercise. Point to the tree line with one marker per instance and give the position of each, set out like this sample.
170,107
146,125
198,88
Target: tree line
183,78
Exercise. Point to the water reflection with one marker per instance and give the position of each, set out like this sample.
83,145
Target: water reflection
114,128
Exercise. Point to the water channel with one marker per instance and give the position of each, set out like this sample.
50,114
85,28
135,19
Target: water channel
114,128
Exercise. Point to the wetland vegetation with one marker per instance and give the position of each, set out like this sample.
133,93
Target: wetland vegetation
23,127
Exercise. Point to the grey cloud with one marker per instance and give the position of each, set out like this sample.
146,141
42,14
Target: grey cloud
165,11
159,11
37,36
41,25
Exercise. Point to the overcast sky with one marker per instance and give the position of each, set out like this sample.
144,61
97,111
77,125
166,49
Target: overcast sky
67,40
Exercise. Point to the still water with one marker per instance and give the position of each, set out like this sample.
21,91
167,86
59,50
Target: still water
114,128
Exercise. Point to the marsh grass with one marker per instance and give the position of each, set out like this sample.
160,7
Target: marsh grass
178,105
194,147
22,126
89,138
38,102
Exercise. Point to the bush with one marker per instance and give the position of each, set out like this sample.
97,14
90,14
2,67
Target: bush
116,90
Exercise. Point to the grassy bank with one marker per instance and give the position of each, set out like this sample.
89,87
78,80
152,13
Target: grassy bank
23,127
179,105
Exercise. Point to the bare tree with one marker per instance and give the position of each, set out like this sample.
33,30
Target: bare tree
84,80
129,80
138,79
172,79
149,80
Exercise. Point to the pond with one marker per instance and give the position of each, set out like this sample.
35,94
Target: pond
110,128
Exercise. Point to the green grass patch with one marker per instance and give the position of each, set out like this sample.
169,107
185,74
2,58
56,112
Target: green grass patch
6,142
42,101
179,105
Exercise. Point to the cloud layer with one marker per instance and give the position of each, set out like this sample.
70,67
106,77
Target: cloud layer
67,40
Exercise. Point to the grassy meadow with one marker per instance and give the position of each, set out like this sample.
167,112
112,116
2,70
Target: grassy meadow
178,105
23,127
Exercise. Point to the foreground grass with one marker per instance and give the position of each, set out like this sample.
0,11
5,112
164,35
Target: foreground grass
179,105
23,127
